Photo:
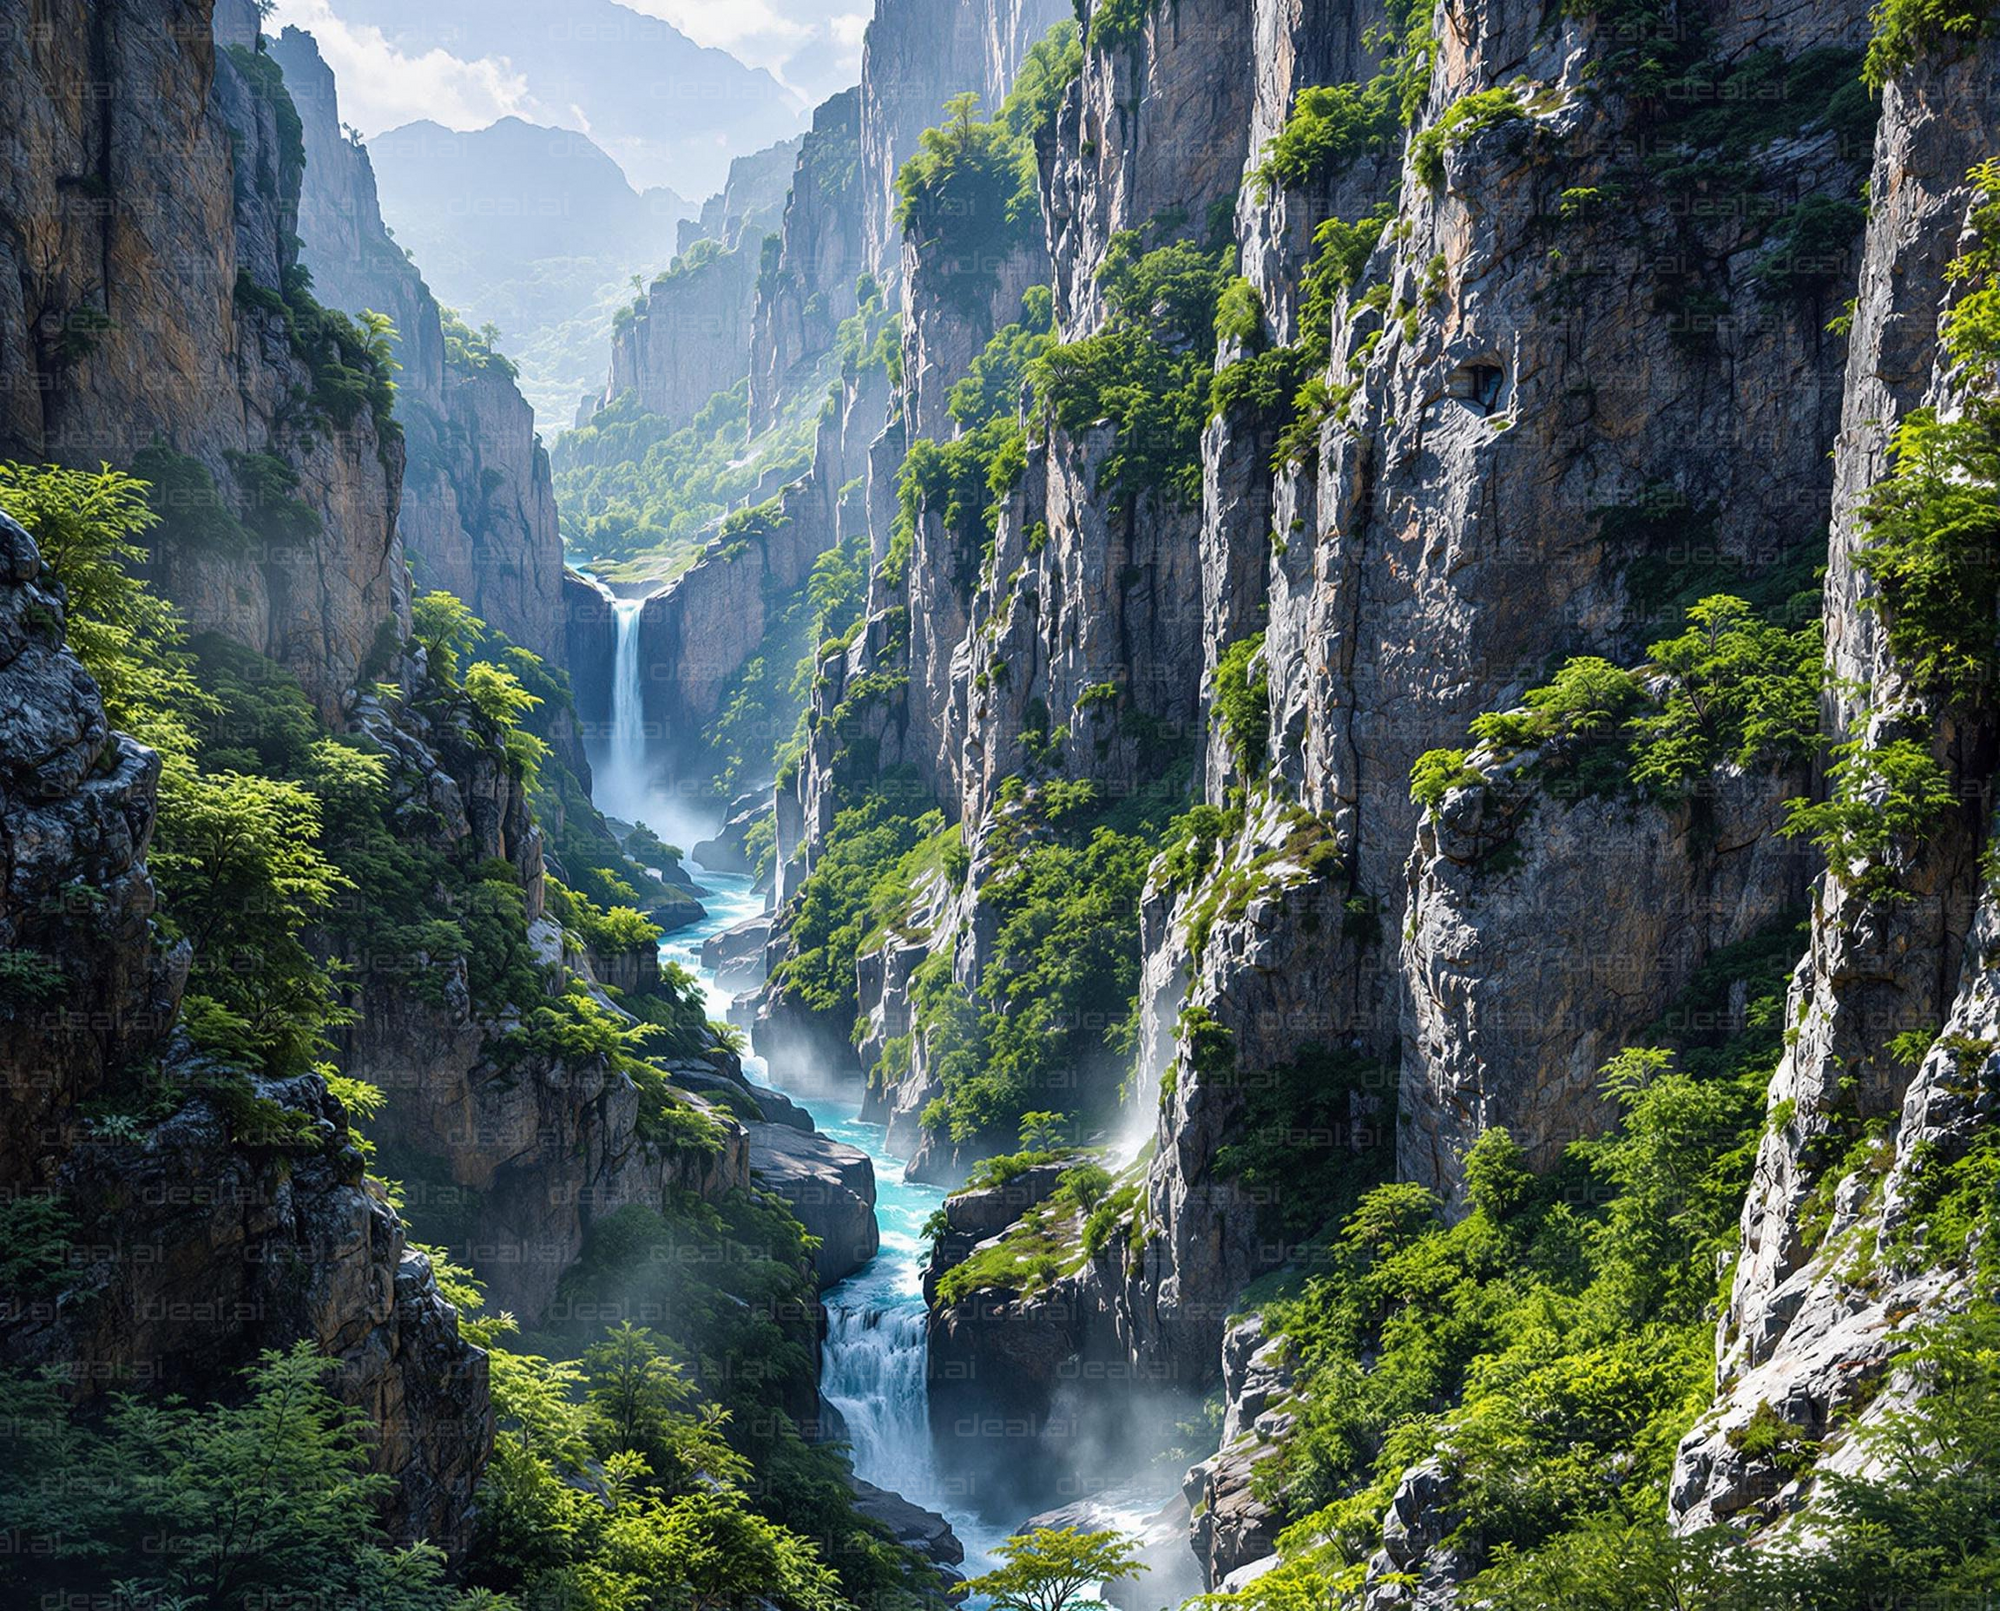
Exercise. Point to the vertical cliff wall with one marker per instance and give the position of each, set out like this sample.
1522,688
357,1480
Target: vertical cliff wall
1846,1239
806,286
1515,373
146,284
477,515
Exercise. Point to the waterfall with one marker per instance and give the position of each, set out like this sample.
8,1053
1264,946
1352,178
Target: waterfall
872,1372
621,783
875,1360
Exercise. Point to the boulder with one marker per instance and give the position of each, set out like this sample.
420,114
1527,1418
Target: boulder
914,1527
830,1186
729,850
735,955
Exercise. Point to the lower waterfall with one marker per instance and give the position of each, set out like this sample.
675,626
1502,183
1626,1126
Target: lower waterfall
874,1361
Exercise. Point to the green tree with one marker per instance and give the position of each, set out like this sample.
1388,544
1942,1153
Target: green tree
1050,1568
222,1507
88,525
242,876
445,628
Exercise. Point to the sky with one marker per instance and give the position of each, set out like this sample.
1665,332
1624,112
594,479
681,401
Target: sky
812,47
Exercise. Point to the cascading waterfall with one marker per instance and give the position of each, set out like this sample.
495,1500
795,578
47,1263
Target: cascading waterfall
621,781
873,1374
876,1355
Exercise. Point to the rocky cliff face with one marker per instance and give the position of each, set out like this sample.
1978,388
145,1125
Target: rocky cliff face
684,339
1842,1251
807,286
750,202
916,55
1547,422
1456,525
477,516
194,1241
143,296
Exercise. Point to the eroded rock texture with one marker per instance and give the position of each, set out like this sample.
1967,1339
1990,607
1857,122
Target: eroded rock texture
153,232
478,512
195,1241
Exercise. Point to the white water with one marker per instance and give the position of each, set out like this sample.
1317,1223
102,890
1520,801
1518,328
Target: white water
874,1363
621,784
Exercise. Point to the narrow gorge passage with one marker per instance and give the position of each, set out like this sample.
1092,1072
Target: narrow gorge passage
873,1363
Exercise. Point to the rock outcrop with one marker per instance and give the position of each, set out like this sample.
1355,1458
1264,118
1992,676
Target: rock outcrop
543,1144
1523,982
1234,1526
809,285
751,200
916,55
193,1241
683,339
830,1186
478,515
924,1531
154,316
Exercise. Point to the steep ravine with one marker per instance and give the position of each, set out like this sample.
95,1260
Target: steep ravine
1580,365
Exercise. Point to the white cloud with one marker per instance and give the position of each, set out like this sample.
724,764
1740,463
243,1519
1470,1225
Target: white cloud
382,87
811,46
742,27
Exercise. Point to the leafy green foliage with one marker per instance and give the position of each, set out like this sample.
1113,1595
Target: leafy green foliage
1558,1336
852,884
1147,371
991,386
967,199
1465,119
1907,30
1116,24
1243,703
1730,689
1050,1568
1329,125
695,1411
1882,794
632,485
1918,1529
473,352
607,932
1048,1018
89,527
1933,555
243,877
1053,63
351,362
1286,386
1934,552
224,1505
1437,772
